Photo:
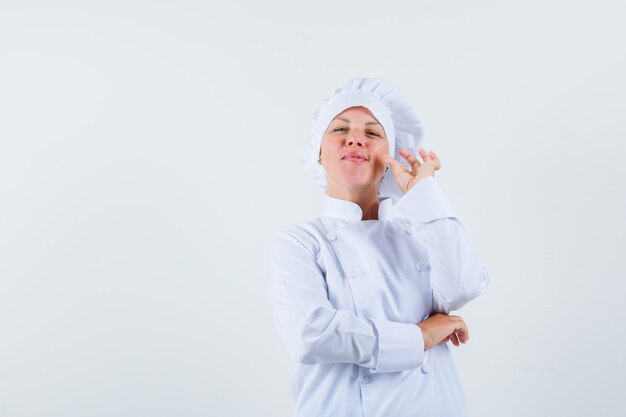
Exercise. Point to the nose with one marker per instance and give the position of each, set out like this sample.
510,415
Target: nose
355,140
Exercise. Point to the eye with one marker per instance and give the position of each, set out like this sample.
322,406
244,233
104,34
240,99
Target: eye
374,133
339,128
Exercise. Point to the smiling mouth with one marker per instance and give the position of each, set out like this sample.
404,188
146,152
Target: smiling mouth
355,159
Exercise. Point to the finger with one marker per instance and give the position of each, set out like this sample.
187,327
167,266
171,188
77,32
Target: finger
445,340
462,335
411,159
462,330
401,174
428,159
454,339
435,158
396,167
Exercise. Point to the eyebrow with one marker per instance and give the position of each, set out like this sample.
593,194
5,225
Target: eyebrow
366,124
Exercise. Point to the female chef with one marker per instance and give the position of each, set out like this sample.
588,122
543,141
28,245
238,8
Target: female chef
362,295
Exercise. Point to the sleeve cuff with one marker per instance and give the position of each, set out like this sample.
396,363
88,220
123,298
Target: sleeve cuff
400,346
424,202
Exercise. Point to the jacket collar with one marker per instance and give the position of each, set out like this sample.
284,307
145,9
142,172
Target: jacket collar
351,211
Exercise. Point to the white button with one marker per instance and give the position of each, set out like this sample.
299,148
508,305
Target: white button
365,379
408,231
331,236
351,274
419,266
425,368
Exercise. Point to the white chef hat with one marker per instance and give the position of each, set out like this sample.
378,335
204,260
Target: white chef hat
388,105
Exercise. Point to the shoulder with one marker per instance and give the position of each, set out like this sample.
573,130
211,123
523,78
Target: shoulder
305,235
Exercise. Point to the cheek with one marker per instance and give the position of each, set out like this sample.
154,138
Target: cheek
381,149
330,147
327,142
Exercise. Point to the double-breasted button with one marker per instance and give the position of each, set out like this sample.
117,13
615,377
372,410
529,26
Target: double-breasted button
350,274
331,236
419,266
408,231
365,379
425,368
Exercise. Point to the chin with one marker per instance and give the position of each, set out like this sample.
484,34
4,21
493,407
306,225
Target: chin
359,183
355,179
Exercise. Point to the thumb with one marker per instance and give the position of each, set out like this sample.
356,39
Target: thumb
398,170
396,167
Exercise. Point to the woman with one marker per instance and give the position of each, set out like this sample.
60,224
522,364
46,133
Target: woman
362,295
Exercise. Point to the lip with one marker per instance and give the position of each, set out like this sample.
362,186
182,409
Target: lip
355,157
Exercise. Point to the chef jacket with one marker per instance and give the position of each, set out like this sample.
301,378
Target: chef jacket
347,295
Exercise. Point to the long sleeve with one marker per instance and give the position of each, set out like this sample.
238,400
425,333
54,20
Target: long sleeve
456,273
313,331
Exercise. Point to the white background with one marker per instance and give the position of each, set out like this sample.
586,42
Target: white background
148,150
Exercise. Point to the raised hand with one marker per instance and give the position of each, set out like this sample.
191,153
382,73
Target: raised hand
406,178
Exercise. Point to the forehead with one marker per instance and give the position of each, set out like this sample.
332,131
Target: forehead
356,112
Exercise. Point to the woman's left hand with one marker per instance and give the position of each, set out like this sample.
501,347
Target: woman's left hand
405,178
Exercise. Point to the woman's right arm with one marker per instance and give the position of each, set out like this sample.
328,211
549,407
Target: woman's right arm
313,331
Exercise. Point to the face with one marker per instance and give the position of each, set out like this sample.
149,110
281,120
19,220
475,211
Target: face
352,151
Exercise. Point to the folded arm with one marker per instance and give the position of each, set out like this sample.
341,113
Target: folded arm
313,331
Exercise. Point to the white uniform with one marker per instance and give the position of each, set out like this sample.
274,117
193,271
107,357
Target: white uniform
347,293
